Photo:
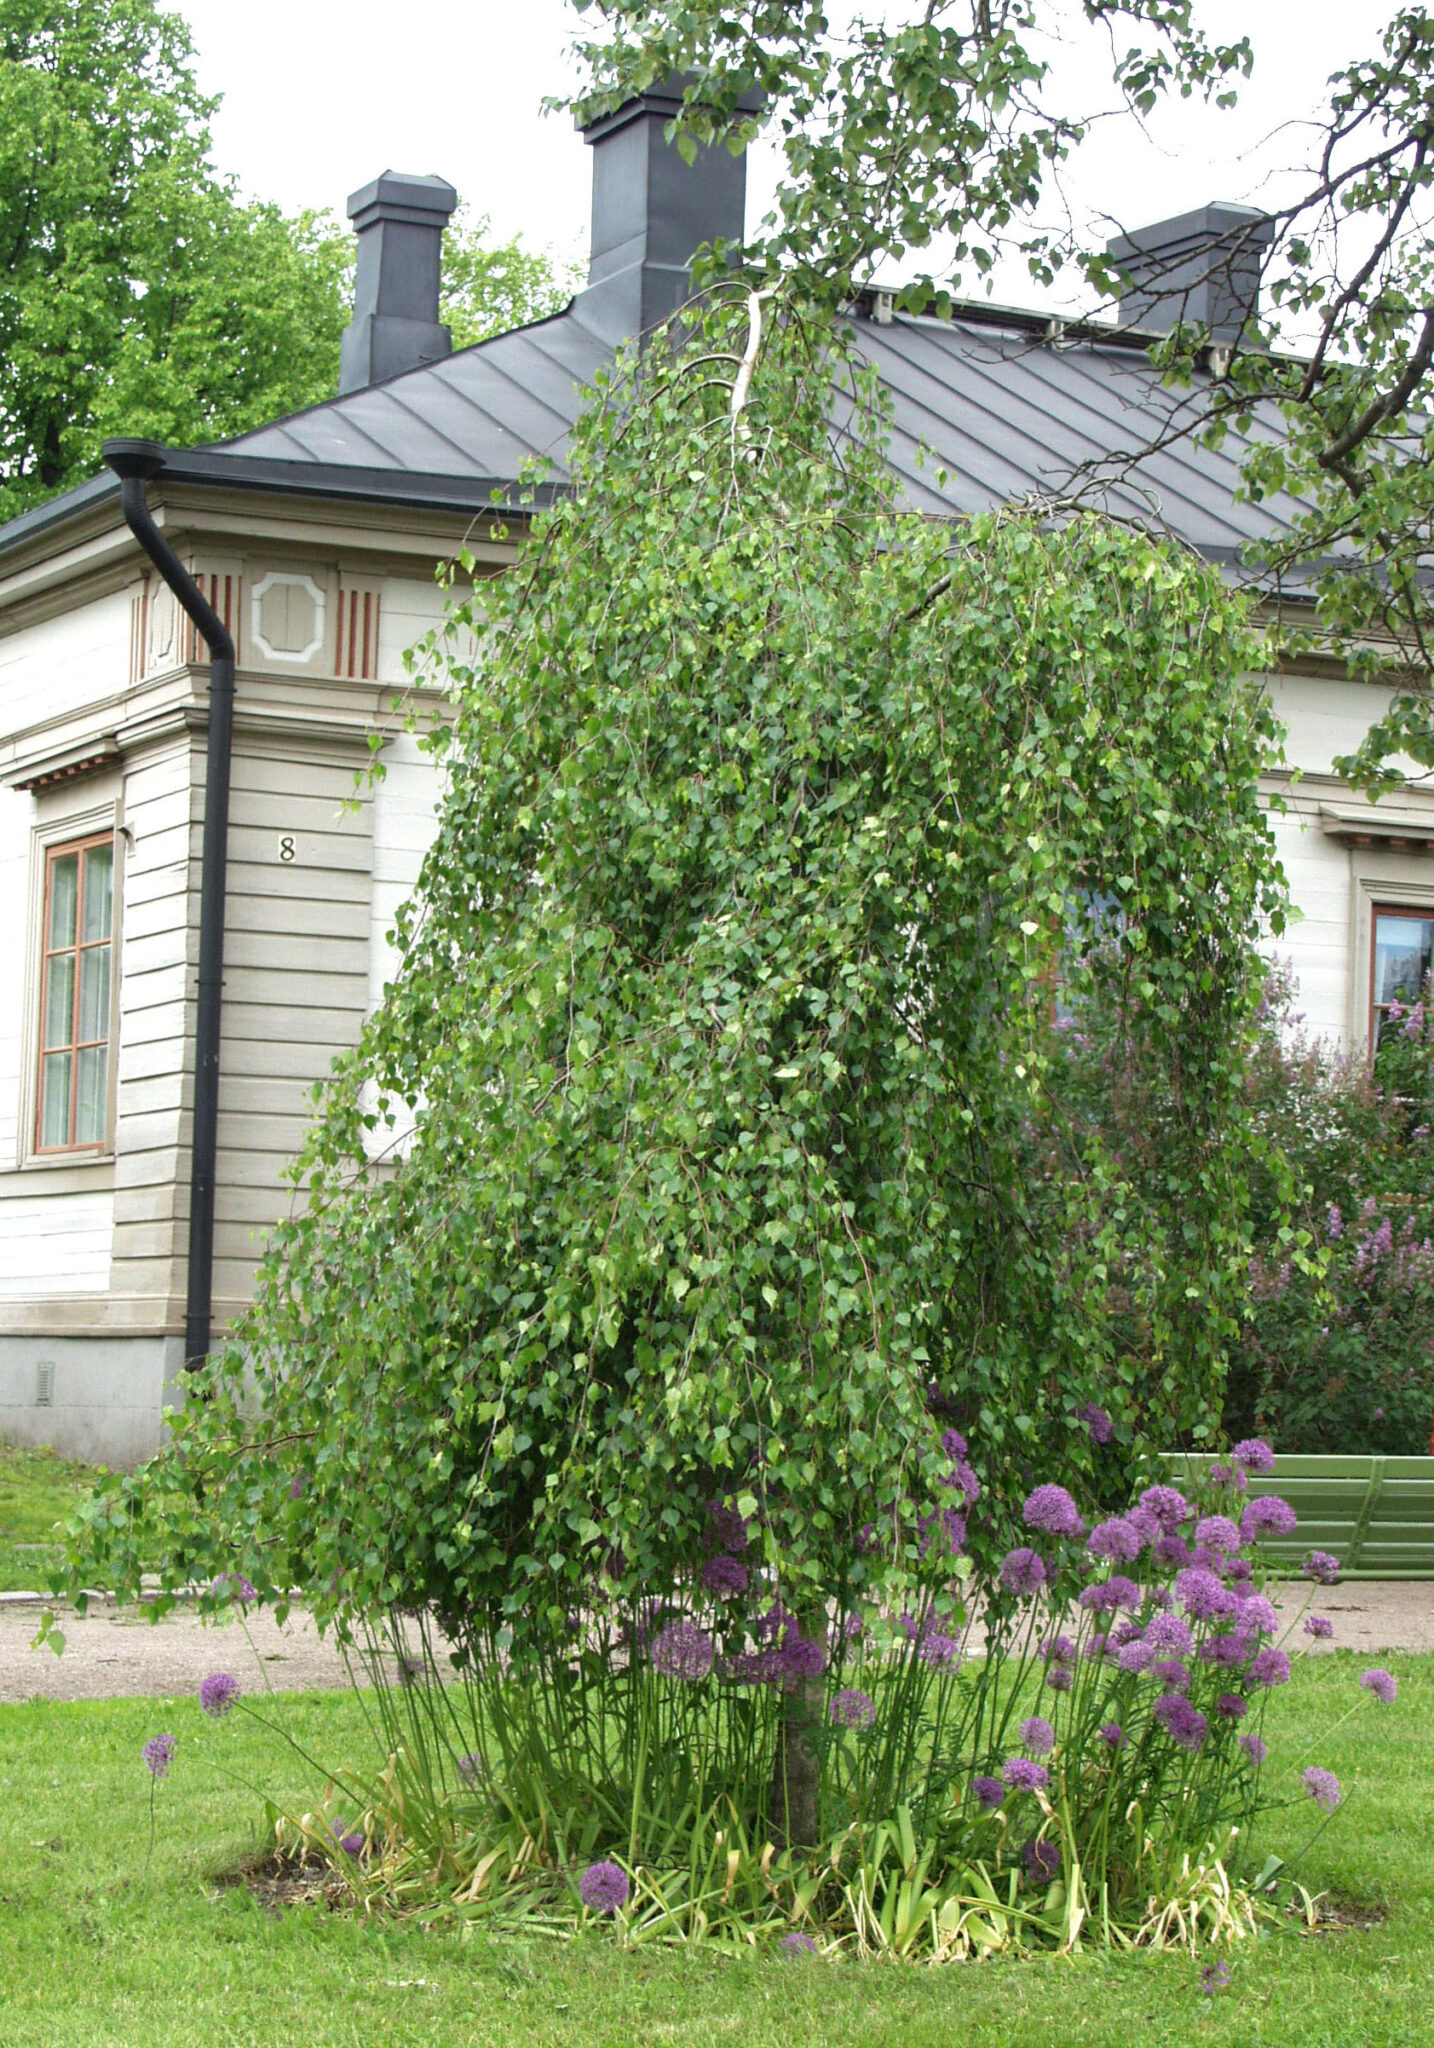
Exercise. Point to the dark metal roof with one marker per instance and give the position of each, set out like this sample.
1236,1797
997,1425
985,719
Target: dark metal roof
990,407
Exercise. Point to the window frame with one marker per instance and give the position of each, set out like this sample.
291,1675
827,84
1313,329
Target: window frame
1414,913
55,850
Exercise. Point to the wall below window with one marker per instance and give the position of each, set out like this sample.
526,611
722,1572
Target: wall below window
55,1244
105,1394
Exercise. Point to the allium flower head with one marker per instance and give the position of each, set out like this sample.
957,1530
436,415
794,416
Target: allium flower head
852,1708
1381,1684
1323,1787
1042,1861
1231,1476
1253,1454
682,1650
1038,1736
1134,1656
350,1843
1023,1572
1109,1596
1185,1725
1051,1510
953,1444
726,1528
1169,1632
604,1887
1218,1532
1112,1735
1114,1539
725,1576
1058,1650
471,1768
797,1944
940,1650
1099,1426
1259,1614
1319,1626
1230,1707
1021,1775
1169,1507
1254,1748
1172,1673
1201,1594
1269,1667
1321,1566
988,1793
1267,1516
158,1754
1172,1552
233,1586
218,1693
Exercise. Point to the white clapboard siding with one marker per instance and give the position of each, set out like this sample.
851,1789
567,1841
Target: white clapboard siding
16,810
56,666
1316,946
55,1244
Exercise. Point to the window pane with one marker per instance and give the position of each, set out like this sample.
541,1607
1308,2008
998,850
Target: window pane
94,993
64,892
91,1092
1402,949
55,1099
99,891
60,999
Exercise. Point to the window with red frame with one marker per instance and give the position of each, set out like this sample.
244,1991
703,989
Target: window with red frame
72,1112
1403,942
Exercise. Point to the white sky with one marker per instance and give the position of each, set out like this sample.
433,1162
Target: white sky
319,97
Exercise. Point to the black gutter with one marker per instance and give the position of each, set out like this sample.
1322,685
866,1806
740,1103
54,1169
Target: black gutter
134,463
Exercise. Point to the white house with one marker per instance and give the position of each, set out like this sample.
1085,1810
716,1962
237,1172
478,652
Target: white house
317,540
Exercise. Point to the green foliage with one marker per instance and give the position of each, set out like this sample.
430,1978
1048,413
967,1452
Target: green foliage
1336,1355
489,288
724,1013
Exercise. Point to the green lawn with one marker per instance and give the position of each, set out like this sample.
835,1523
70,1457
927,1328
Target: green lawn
37,1489
94,1950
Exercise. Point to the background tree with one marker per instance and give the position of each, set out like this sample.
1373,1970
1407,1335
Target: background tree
932,134
139,293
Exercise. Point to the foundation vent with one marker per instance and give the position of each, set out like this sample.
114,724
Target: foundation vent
45,1383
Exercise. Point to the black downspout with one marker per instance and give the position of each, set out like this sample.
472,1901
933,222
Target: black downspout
134,463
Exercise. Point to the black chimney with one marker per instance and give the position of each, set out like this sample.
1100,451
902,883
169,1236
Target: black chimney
652,212
1200,270
399,222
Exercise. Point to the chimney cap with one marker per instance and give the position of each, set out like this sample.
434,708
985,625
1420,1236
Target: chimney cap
403,196
665,96
1218,220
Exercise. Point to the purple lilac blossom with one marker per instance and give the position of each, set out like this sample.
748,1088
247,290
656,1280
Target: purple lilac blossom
852,1708
1201,1594
1321,1566
1038,1736
604,1887
954,1444
1042,1861
1253,1454
158,1754
1333,1222
1169,1507
1099,1426
218,1693
1323,1787
1269,1667
1112,1735
1319,1626
1114,1539
1021,1775
1110,1595
682,1650
988,1793
1051,1509
1381,1684
1023,1572
1218,1532
797,1944
724,1575
1231,1707
1267,1516
1254,1748
1184,1724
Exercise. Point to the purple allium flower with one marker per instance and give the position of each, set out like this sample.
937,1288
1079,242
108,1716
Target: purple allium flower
1322,1567
233,1586
1169,1632
1059,1678
1098,1424
1214,1977
1125,1632
724,1575
1021,1775
1110,1595
218,1693
683,1650
944,1533
1254,1748
726,1528
1051,1510
1253,1454
1172,1673
604,1887
1134,1656
1381,1684
1112,1735
1323,1787
1023,1572
1269,1667
953,1444
471,1768
1267,1516
1201,1594
1038,1736
988,1793
1149,1528
1058,1650
158,1754
1259,1614
351,1844
1319,1626
797,1944
1231,1707
1184,1724
1218,1532
1169,1507
1230,1476
1238,1572
1230,1648
1172,1552
1042,1861
852,1708
1114,1539
940,1650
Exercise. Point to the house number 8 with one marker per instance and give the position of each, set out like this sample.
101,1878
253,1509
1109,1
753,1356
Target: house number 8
287,849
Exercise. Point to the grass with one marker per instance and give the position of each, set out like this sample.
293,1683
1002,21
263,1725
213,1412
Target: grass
97,1951
37,1489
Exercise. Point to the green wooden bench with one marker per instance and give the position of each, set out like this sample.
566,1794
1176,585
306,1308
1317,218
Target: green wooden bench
1375,1514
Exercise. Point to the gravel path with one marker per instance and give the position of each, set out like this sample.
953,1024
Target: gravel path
111,1654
